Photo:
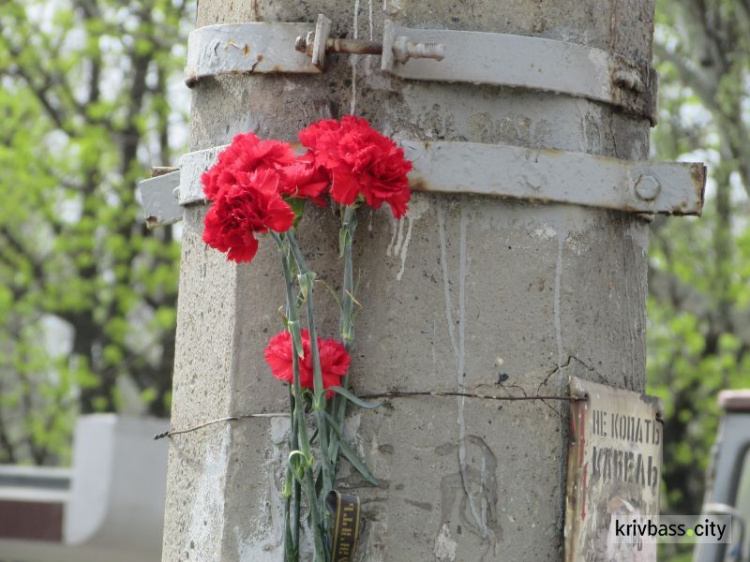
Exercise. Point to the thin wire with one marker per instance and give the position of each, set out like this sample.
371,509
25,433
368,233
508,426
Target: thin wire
172,432
398,394
386,395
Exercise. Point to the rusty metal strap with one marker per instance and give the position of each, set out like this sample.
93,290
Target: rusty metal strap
534,63
576,178
471,57
258,47
555,176
159,199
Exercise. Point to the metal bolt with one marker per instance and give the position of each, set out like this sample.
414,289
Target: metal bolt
317,44
647,188
339,45
403,50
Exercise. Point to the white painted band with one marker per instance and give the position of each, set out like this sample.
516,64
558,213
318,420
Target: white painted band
556,176
257,47
533,63
471,57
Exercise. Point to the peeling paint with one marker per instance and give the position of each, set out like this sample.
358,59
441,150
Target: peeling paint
445,546
544,232
351,433
207,513
577,243
261,540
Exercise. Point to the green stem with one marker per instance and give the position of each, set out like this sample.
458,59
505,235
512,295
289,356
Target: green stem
296,491
288,546
298,414
319,400
346,321
349,226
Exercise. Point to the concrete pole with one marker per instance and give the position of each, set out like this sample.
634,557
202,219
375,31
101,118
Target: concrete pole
462,291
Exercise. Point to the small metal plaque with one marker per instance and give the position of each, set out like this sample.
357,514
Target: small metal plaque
614,471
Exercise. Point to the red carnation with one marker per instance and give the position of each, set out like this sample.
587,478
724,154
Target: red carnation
360,161
334,360
305,179
251,205
247,153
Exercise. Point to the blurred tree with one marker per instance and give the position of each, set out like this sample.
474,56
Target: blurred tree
87,293
699,320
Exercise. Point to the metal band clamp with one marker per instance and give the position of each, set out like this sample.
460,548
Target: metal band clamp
555,176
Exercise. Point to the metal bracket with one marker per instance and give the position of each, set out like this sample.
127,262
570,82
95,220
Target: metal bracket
553,176
246,48
576,178
159,199
437,55
534,63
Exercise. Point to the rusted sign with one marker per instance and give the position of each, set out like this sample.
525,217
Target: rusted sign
614,470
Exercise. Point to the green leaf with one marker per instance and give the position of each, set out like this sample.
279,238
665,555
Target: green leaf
349,453
354,399
294,330
298,207
306,282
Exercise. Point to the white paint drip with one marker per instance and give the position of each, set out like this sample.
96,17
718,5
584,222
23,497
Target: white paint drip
404,250
372,24
446,284
394,232
400,239
445,546
434,351
461,375
354,59
417,207
632,327
562,234
459,352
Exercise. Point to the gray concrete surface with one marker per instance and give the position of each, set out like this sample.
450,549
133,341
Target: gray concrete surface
462,290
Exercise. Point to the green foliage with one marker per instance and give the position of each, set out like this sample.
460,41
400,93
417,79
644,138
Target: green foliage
87,293
698,333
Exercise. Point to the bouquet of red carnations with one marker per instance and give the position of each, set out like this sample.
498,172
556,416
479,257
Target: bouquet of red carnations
261,187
